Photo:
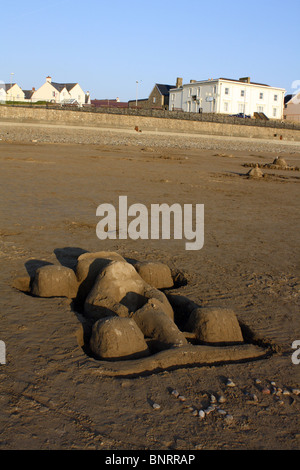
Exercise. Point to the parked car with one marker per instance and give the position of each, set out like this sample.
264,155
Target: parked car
241,115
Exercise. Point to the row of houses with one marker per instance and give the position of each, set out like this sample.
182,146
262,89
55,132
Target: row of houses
237,97
53,92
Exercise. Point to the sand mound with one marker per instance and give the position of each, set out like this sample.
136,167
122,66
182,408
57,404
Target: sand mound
155,273
118,338
215,326
155,324
255,173
54,281
279,161
118,284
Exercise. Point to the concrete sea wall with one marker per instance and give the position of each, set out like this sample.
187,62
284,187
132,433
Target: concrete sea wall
144,123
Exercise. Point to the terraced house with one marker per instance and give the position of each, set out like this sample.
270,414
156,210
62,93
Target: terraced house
14,92
60,93
158,98
292,107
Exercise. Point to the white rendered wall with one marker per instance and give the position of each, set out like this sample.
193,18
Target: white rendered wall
228,97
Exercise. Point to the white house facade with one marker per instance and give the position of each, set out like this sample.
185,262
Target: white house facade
59,93
228,96
14,92
2,92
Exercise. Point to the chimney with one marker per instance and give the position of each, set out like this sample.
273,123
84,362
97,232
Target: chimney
193,81
245,79
178,82
48,79
33,89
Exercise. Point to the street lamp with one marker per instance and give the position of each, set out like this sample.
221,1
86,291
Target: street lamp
136,95
11,78
136,98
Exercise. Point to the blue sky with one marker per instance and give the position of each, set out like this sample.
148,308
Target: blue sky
106,46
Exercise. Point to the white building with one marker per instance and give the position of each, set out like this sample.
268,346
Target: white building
14,92
228,96
60,93
2,92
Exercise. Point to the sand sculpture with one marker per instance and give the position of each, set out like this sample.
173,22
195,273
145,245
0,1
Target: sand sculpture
255,172
133,321
279,163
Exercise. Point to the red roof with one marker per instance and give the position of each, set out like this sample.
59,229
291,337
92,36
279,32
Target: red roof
109,103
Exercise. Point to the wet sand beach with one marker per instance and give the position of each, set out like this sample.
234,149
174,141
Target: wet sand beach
52,181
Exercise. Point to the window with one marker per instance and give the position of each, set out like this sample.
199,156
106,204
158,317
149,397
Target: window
261,96
190,91
242,92
173,96
53,93
226,91
274,112
215,89
241,108
226,107
198,91
260,109
154,99
275,97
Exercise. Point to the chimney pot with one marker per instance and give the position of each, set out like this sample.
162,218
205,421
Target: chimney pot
178,82
245,79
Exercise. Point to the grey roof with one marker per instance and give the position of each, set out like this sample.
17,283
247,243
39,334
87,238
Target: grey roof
240,81
61,86
164,89
28,94
8,86
141,99
288,98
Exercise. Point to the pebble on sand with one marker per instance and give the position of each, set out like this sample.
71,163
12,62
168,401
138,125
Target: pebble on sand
156,406
213,399
230,383
228,418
